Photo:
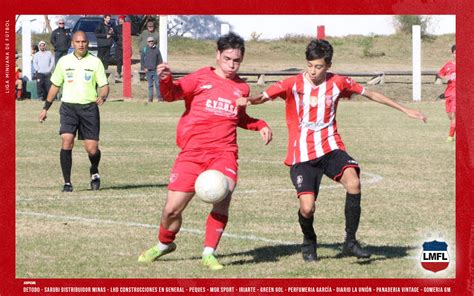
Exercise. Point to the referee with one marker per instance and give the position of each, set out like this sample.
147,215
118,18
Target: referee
79,73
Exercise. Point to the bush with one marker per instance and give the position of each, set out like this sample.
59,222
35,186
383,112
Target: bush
367,44
404,23
296,38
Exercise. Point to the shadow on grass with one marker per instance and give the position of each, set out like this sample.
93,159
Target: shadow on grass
130,186
274,253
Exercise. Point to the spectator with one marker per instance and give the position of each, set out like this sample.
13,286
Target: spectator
105,34
119,42
18,84
149,32
34,49
151,61
43,63
61,40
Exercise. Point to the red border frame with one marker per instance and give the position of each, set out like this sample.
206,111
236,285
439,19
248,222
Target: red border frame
463,283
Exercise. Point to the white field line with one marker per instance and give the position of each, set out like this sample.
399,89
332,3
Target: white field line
372,179
143,225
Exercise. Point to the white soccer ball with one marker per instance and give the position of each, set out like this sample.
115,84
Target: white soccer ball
211,186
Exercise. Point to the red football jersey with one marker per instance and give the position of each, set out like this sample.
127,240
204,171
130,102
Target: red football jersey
211,116
311,114
449,71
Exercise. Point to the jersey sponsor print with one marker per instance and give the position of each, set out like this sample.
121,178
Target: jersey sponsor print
211,117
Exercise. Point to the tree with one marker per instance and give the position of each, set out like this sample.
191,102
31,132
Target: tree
47,25
404,23
195,26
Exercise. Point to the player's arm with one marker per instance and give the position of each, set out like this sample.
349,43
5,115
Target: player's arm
276,90
254,124
260,99
255,100
442,73
245,101
170,91
53,91
380,98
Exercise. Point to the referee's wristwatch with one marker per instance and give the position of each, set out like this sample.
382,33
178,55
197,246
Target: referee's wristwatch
104,98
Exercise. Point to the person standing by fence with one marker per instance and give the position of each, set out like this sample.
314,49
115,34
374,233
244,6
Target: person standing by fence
105,34
61,40
142,40
43,62
152,60
119,43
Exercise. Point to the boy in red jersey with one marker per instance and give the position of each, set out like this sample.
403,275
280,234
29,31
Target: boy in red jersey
449,72
315,147
207,136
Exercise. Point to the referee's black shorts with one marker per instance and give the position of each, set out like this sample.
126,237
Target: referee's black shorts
83,119
306,176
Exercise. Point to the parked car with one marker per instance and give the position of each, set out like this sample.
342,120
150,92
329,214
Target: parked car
88,24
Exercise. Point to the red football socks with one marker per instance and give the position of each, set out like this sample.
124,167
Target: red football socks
166,236
215,226
452,128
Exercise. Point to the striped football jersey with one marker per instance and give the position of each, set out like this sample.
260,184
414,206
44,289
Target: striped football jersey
311,114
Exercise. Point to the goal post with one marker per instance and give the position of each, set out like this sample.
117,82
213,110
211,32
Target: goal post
416,59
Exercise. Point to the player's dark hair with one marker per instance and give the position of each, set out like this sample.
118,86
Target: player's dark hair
231,41
453,48
318,49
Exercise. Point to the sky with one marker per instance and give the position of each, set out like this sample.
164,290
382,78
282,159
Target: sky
276,26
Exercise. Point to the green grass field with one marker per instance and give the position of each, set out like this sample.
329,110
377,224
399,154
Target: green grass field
408,181
408,197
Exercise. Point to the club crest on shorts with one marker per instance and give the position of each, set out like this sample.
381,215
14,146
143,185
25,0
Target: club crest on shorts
299,180
173,177
434,256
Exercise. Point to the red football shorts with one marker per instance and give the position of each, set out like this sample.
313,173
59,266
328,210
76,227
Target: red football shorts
189,164
450,104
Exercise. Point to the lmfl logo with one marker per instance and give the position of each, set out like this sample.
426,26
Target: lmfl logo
435,256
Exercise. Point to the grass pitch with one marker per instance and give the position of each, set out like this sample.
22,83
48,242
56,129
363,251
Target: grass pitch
408,197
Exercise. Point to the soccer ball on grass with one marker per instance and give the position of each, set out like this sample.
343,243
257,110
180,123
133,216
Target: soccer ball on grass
211,186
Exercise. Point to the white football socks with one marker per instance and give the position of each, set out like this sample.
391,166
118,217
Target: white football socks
163,247
208,251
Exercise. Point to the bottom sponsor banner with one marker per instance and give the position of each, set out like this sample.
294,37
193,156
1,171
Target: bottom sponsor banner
236,287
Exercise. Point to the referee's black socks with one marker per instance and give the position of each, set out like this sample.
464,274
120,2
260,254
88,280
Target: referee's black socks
352,212
65,157
95,159
307,227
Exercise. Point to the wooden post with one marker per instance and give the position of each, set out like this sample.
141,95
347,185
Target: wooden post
127,60
321,33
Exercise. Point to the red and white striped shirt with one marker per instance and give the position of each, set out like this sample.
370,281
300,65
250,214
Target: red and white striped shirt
311,114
